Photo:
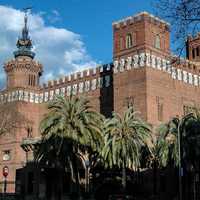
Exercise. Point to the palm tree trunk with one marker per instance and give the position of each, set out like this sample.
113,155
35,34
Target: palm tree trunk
155,178
124,179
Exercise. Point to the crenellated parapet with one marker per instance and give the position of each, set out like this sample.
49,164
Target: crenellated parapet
74,84
23,63
182,70
138,17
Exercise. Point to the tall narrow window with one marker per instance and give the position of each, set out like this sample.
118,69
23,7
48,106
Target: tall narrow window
121,43
33,80
157,42
129,41
193,53
159,108
197,51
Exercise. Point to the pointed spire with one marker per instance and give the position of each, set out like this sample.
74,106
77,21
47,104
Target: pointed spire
24,44
25,29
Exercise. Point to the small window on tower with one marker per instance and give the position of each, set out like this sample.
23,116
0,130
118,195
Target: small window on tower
193,53
129,41
121,43
197,51
157,42
159,101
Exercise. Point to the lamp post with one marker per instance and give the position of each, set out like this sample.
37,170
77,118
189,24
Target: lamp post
179,163
87,174
5,174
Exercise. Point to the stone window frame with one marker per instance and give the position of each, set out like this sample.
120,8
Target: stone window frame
160,108
121,43
129,40
157,41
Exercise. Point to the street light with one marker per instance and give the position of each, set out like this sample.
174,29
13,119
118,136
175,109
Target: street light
179,162
87,174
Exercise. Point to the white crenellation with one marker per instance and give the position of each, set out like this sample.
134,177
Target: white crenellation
195,80
94,84
62,91
81,74
169,67
185,76
41,97
69,77
158,63
26,96
88,72
36,98
75,75
74,89
108,67
179,74
174,73
51,95
87,86
100,82
69,90
101,68
153,61
32,97
190,78
81,87
107,81
116,66
148,59
164,65
122,65
129,63
142,60
135,61
57,91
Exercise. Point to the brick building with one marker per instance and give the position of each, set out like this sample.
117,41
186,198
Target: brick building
143,74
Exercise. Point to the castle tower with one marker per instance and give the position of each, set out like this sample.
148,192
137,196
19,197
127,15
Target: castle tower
23,71
193,48
139,42
142,32
23,74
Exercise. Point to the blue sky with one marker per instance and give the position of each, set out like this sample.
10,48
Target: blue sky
88,21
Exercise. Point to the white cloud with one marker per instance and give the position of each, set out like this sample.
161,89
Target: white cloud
59,50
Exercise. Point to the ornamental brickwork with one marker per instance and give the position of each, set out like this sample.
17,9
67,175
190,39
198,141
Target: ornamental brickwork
143,73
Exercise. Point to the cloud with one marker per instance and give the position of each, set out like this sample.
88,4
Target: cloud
58,49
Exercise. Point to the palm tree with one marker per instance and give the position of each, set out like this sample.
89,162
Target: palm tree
176,143
124,137
156,154
69,127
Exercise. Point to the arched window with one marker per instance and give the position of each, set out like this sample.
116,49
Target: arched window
197,51
193,53
157,42
121,43
129,41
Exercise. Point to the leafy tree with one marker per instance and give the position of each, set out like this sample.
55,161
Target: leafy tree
124,137
183,16
70,127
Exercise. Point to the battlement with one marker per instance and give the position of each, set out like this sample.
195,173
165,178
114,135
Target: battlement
138,17
178,69
78,76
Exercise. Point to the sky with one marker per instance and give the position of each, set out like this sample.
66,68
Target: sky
67,35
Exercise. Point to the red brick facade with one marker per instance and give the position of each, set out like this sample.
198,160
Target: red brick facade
142,74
